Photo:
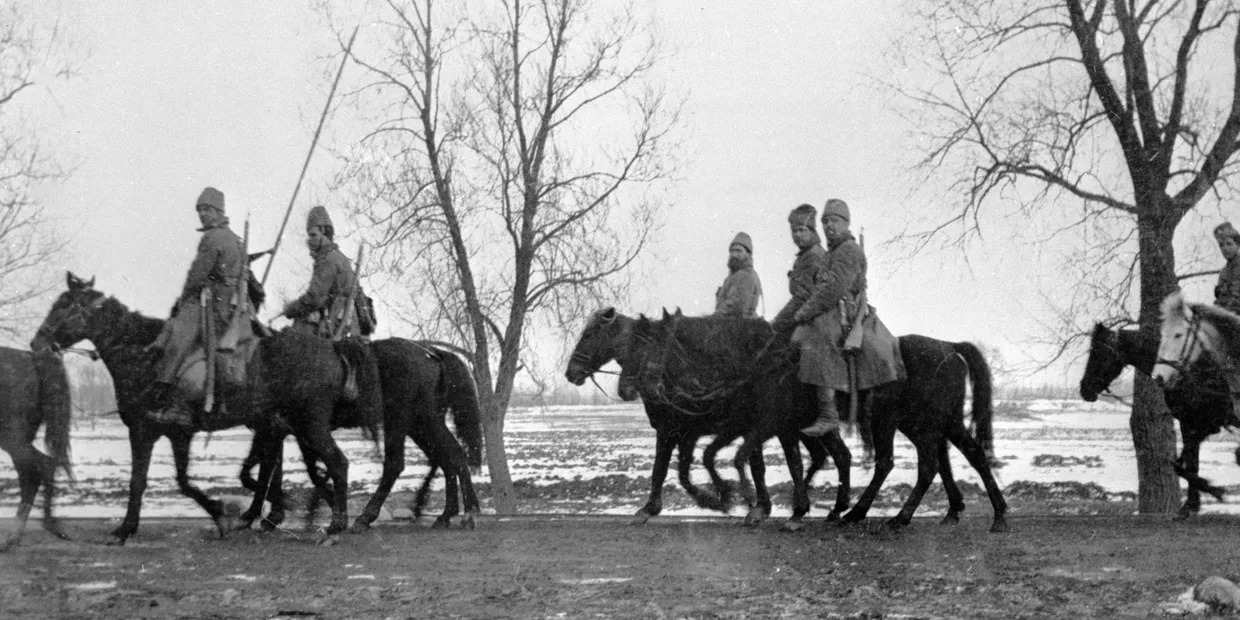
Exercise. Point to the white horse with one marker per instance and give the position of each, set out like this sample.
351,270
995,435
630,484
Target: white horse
1190,331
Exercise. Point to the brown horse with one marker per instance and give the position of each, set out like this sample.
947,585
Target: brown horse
296,385
36,394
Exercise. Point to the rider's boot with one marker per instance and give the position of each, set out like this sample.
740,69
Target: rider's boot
828,415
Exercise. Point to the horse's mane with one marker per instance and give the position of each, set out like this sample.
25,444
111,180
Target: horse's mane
722,348
129,327
1225,321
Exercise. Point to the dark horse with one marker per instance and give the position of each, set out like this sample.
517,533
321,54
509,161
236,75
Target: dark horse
36,393
1200,402
613,336
296,384
422,384
768,401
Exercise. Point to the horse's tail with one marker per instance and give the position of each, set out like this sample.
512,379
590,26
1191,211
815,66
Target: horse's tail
983,395
56,406
369,390
459,392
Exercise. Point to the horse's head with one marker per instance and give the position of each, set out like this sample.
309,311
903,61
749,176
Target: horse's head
72,315
1186,334
604,338
652,340
1104,363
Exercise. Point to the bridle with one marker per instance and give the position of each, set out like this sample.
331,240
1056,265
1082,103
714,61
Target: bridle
1181,363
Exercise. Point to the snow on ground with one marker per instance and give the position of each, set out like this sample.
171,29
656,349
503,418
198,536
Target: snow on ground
1048,441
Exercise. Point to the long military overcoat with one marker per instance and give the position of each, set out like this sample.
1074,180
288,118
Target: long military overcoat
819,281
322,307
738,296
1227,291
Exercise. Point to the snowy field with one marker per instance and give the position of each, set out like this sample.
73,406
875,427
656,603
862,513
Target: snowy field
1039,441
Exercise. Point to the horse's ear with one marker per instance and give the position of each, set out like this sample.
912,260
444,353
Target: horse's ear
666,316
678,312
1174,303
91,284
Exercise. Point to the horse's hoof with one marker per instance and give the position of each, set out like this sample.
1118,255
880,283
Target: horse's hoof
359,527
468,522
442,522
895,524
999,526
756,516
639,519
53,527
950,520
115,541
792,526
328,540
833,517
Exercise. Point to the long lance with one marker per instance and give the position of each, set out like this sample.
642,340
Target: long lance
314,142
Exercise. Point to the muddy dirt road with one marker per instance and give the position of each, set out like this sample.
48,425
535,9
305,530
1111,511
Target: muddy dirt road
601,567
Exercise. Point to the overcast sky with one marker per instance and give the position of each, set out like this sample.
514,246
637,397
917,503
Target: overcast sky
781,109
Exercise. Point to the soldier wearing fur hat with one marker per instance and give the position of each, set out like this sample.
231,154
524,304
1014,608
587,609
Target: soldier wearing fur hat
215,269
828,303
1227,291
321,309
738,296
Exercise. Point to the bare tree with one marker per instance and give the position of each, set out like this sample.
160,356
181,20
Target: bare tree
30,57
507,182
1104,124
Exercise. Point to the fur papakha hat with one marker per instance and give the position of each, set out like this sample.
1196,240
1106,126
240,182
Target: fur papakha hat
318,217
1225,231
836,207
211,197
742,239
803,215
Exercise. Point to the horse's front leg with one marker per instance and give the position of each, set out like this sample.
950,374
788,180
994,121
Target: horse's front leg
141,442
1187,467
223,517
761,508
658,475
800,489
842,458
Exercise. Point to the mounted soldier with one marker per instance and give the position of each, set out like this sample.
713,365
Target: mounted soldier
739,294
844,347
329,307
205,308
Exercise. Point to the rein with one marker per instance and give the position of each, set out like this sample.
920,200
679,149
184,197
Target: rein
1181,363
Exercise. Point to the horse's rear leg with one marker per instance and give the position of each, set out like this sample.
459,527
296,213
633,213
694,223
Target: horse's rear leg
955,499
141,442
977,457
394,435
884,461
927,468
29,477
224,518
424,491
658,475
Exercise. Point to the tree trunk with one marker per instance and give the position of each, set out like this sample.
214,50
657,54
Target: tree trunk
1153,433
502,495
